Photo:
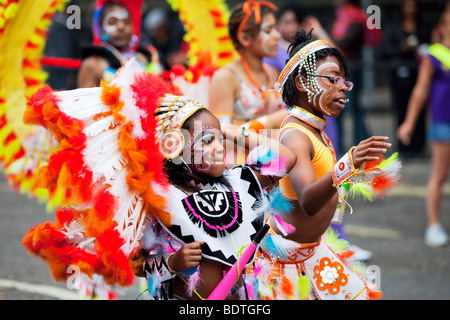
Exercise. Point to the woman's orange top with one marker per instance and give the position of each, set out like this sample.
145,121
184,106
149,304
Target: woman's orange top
322,162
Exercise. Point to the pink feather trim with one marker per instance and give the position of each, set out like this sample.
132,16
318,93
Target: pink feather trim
284,227
193,282
276,167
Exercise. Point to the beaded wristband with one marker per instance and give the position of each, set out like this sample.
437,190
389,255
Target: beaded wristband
343,169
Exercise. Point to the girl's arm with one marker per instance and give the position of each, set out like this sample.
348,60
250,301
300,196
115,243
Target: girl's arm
250,140
187,257
313,194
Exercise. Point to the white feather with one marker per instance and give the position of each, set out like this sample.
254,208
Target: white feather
129,214
98,126
125,76
81,103
75,231
103,162
133,226
276,245
107,138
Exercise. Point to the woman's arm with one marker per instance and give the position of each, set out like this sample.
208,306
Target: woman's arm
90,73
417,100
222,93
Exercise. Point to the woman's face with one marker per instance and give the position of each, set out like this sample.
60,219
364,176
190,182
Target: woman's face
204,152
331,99
288,25
445,23
117,25
265,43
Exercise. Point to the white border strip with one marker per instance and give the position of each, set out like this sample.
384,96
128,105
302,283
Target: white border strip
51,291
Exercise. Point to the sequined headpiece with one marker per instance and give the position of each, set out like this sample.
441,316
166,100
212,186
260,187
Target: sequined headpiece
303,58
172,113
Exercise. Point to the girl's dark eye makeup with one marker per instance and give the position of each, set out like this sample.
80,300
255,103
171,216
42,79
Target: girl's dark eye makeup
206,137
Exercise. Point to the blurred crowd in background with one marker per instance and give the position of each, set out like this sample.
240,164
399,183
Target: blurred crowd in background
408,27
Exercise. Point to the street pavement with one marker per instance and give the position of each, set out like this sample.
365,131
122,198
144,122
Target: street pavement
392,228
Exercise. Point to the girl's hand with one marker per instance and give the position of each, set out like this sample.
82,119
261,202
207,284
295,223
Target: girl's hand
370,150
187,257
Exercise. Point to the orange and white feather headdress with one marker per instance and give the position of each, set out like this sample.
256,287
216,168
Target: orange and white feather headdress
109,172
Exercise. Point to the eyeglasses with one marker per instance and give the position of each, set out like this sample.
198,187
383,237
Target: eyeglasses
336,80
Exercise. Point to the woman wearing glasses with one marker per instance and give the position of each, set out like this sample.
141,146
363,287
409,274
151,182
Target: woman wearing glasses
313,85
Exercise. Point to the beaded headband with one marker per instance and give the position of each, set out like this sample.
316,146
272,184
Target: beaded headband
173,111
304,57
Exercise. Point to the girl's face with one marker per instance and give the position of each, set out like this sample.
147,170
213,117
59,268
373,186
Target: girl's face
331,99
204,152
117,25
266,41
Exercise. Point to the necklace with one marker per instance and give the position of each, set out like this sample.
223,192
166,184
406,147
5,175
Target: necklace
250,75
315,122
265,93
307,117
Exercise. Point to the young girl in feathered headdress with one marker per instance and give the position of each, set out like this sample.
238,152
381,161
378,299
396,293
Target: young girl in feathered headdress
141,173
214,212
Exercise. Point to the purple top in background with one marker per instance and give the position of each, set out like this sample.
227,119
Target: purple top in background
279,61
439,92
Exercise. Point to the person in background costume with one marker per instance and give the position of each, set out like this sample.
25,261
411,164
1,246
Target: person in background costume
163,32
313,84
406,40
290,17
214,212
242,91
433,82
116,31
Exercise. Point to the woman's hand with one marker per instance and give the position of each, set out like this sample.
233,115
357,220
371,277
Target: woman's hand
404,133
370,150
189,256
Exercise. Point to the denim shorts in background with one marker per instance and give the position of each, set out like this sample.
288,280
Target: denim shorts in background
439,132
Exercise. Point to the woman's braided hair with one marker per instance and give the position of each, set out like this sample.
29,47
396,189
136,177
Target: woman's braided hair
299,40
